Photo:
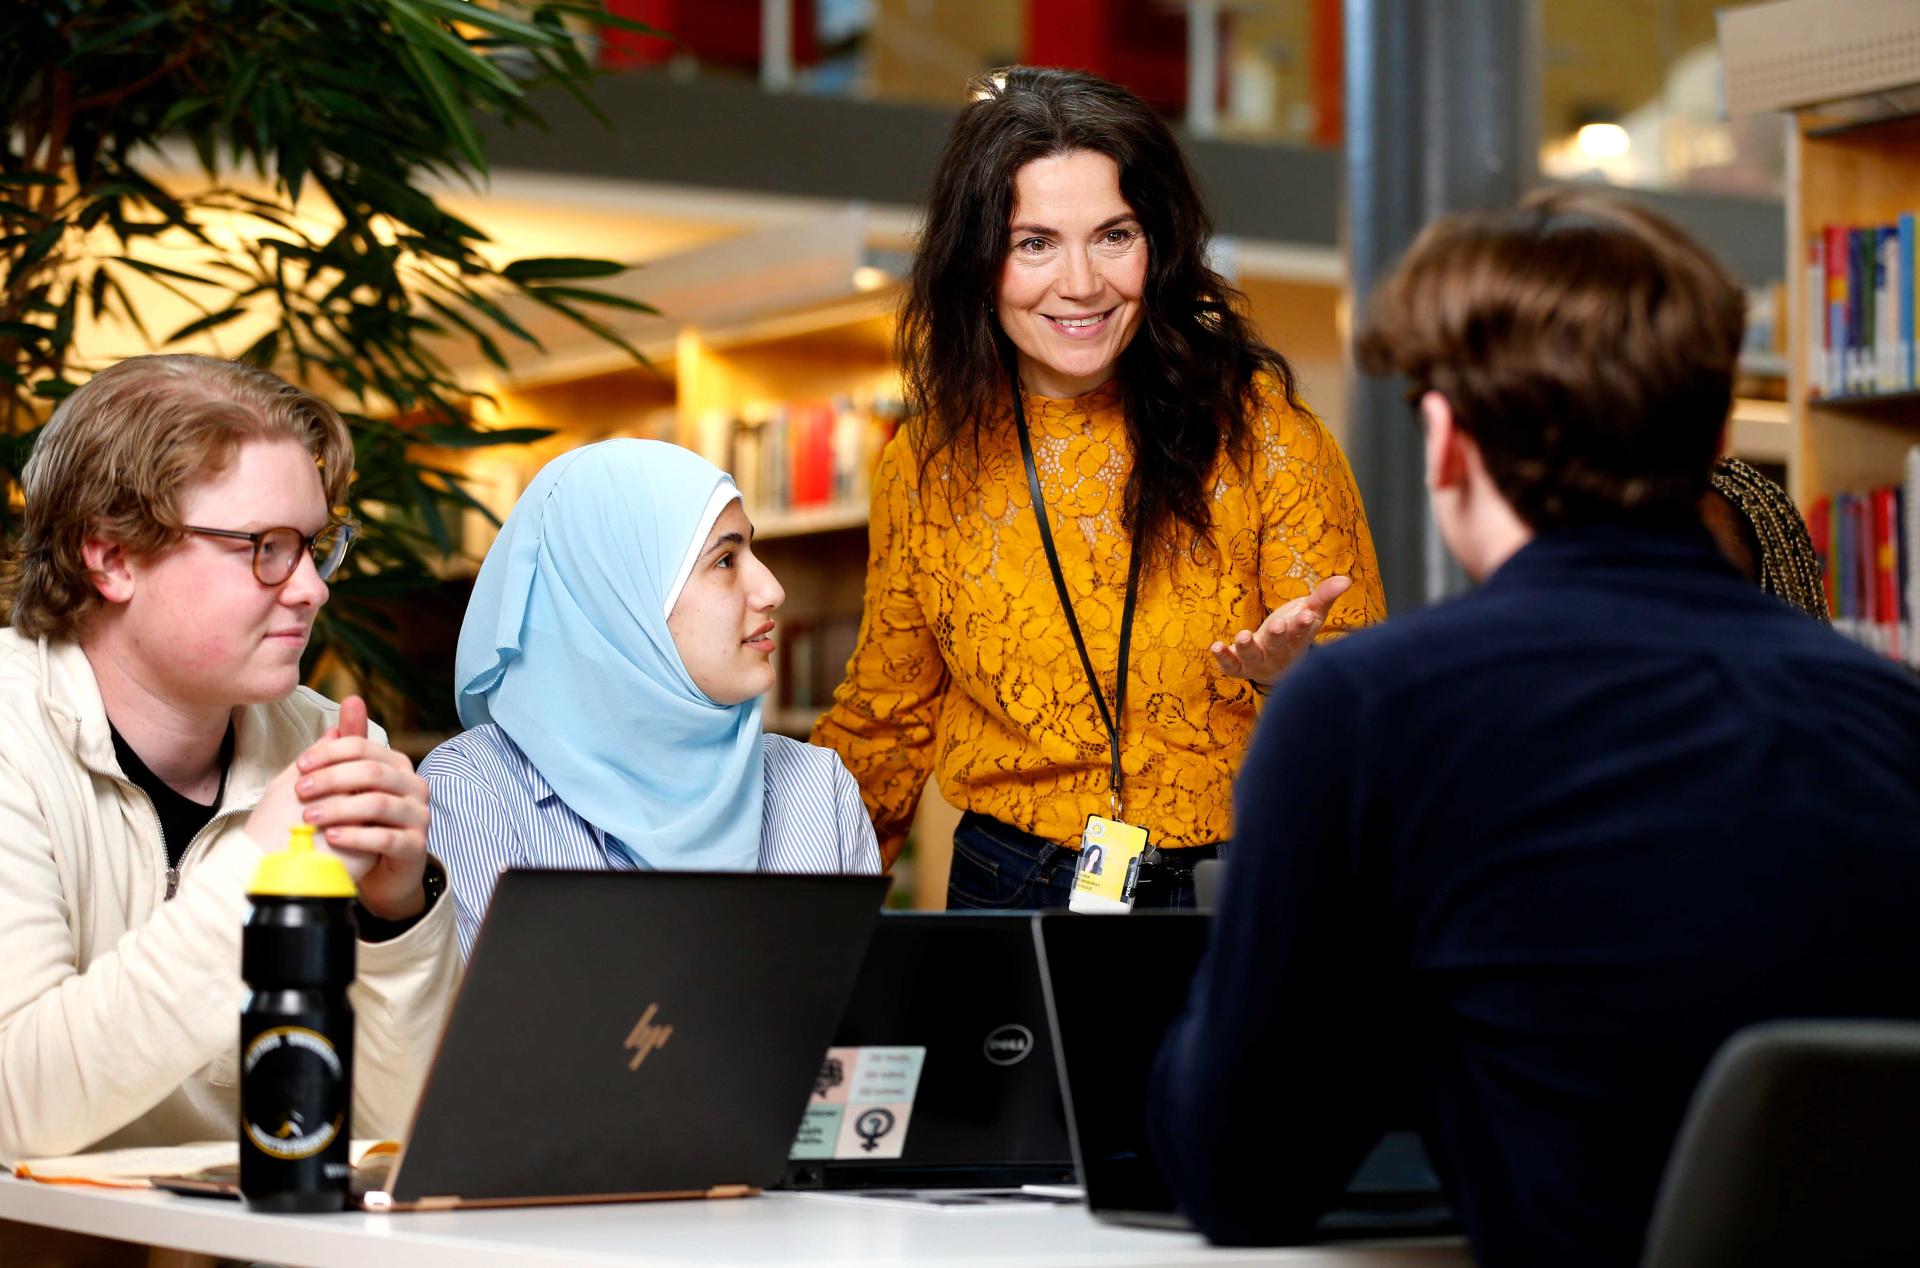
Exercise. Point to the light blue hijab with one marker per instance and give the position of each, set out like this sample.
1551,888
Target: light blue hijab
565,646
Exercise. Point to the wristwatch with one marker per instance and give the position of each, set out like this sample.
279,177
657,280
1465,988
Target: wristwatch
434,882
372,928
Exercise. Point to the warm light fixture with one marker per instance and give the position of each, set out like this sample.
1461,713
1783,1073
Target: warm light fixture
869,278
1598,142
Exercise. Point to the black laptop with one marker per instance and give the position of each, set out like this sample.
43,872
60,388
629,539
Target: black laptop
941,1073
622,1035
1106,1056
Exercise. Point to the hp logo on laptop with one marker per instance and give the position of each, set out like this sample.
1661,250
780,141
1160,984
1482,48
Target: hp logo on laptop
1009,1044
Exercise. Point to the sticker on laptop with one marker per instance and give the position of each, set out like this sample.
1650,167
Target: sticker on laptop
861,1103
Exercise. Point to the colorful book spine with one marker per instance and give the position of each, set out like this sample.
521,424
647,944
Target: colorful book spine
1862,309
1886,572
1846,604
1910,551
805,455
1861,306
1838,367
1907,368
1815,296
1868,543
1820,531
1886,307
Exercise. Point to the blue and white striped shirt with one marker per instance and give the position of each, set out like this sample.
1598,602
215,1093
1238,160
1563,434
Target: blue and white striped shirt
492,810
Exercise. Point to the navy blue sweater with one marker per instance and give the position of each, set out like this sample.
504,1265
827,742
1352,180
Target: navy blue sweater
1526,859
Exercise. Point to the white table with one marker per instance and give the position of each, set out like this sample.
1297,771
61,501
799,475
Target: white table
789,1230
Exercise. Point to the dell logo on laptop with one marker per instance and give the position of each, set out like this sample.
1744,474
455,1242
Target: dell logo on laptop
1009,1044
645,1036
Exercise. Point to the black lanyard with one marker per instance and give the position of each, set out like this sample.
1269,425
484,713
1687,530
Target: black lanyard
1111,718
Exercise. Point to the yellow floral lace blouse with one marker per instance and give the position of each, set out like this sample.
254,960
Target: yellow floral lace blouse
965,667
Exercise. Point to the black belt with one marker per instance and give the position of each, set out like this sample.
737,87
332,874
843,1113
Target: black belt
1176,861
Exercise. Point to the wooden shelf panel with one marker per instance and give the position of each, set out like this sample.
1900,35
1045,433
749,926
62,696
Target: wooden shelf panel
1863,176
808,520
1849,449
1872,402
1761,431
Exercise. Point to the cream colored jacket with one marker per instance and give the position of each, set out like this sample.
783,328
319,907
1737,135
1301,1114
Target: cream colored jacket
120,1005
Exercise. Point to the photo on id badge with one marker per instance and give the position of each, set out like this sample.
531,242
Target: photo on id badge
1105,874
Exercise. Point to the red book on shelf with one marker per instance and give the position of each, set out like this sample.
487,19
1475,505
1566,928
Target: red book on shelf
812,440
1886,570
1866,594
1820,530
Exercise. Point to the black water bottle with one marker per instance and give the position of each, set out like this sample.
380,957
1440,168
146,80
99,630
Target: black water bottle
296,1032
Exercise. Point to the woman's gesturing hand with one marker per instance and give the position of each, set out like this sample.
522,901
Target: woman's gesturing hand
1264,654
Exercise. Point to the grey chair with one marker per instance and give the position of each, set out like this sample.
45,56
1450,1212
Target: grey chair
1802,1147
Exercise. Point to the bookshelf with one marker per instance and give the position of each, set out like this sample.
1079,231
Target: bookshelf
1849,73
1859,174
1852,428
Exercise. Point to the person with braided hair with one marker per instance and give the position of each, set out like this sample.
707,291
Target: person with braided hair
1761,532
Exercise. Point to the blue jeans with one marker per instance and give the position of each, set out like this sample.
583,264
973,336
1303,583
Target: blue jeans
996,867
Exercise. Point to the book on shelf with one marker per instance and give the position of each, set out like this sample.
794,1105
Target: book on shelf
1861,284
1868,541
812,660
791,456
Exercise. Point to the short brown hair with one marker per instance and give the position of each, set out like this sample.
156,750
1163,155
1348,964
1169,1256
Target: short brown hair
117,456
1587,345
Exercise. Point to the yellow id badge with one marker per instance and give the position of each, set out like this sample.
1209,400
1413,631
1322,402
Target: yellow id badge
1109,866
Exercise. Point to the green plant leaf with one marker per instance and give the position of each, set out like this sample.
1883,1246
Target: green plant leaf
37,249
212,321
459,56
601,16
475,15
606,299
160,270
182,110
264,351
445,102
121,33
471,438
542,269
598,327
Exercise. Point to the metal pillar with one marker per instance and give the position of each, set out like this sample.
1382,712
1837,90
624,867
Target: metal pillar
1203,67
776,45
1442,103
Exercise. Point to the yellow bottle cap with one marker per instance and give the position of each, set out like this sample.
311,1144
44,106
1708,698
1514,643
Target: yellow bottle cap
300,871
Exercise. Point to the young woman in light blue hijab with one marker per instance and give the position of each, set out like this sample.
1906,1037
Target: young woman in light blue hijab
610,673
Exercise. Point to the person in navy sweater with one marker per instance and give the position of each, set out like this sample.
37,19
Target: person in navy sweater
1528,857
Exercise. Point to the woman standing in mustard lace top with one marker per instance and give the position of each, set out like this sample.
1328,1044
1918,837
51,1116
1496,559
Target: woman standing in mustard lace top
1200,525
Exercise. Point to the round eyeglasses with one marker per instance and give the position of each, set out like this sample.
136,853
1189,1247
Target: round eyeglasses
276,551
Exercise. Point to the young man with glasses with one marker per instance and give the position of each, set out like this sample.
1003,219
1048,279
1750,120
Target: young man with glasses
176,545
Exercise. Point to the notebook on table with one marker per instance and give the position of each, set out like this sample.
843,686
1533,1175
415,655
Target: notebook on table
1105,1057
941,1073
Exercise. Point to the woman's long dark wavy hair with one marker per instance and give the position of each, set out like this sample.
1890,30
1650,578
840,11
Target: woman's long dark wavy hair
1186,379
